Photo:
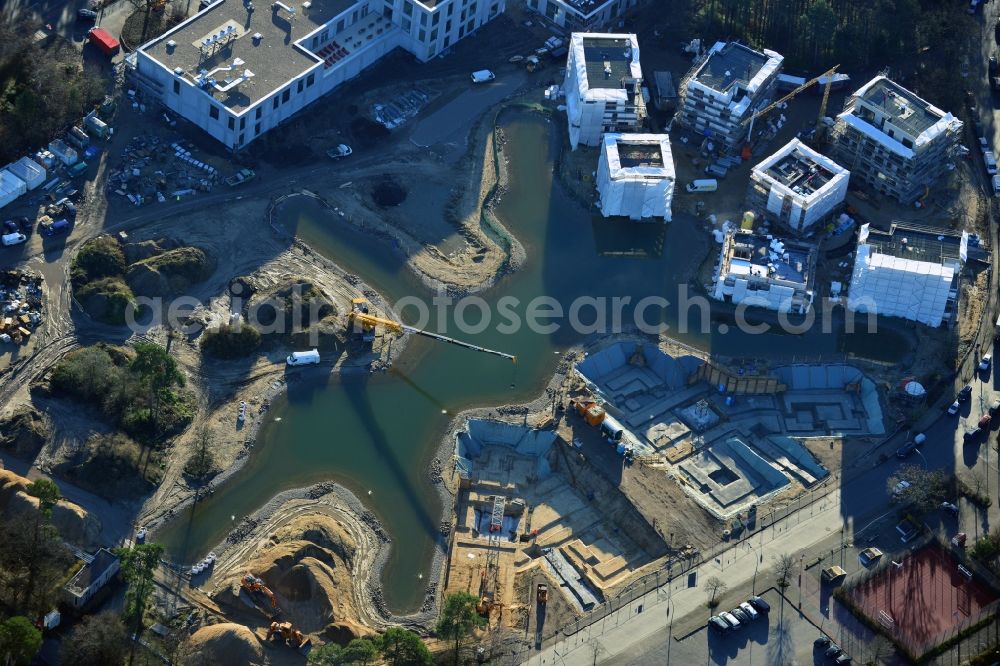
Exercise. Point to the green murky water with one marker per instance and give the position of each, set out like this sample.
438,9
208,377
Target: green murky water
378,432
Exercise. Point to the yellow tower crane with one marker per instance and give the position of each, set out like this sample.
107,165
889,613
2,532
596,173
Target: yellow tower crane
359,315
828,74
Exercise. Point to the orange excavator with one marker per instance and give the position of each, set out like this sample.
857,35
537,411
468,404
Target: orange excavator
256,588
290,636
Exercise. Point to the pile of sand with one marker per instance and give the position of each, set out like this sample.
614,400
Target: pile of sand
307,564
24,433
225,643
73,522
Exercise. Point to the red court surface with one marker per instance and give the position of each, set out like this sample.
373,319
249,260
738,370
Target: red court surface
923,601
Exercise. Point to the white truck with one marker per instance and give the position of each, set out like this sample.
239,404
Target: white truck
310,357
13,239
482,76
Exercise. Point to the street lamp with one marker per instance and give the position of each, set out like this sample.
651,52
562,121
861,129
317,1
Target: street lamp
758,558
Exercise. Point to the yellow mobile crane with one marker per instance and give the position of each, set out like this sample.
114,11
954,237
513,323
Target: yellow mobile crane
773,105
359,315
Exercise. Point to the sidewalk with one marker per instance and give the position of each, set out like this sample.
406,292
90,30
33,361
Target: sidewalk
656,611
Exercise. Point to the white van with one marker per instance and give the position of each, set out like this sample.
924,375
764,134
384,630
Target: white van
703,185
482,76
996,185
310,357
991,162
13,239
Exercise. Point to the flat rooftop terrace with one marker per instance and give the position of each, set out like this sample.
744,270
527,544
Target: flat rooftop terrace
918,244
799,173
907,111
757,256
733,64
274,59
609,60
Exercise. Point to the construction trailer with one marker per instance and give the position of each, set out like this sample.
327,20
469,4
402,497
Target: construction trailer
28,170
11,187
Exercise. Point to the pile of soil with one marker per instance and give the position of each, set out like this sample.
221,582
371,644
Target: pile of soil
225,643
307,564
24,433
75,525
388,192
170,272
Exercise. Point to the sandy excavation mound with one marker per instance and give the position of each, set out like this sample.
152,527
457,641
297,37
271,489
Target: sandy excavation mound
307,564
24,433
73,522
224,643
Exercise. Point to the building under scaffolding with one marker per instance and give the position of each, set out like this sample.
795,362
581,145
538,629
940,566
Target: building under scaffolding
635,176
766,272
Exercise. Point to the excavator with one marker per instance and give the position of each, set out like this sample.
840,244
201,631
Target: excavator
290,636
366,322
256,588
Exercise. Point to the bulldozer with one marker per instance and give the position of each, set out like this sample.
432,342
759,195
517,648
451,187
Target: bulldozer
290,636
257,590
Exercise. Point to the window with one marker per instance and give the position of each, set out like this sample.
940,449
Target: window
275,103
340,25
471,25
447,41
315,42
423,19
285,95
434,34
451,9
243,123
241,139
423,36
435,18
447,25
461,32
407,8
213,112
232,122
299,87
311,79
256,129
257,113
406,24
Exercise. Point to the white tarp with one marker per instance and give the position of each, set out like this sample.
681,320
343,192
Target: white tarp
635,192
585,105
804,209
896,287
28,170
11,187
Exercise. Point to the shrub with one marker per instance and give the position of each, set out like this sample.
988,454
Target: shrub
98,258
231,341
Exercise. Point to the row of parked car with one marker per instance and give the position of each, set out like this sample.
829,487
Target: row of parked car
833,652
745,613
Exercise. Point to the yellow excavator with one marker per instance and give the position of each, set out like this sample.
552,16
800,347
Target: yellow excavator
361,318
290,636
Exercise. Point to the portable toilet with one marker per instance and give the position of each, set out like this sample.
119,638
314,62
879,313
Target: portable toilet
11,187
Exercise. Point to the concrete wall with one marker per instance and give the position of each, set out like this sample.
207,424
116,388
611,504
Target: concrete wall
524,441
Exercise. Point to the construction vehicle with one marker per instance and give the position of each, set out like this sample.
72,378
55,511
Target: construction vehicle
828,75
542,594
290,636
256,588
532,63
591,412
365,321
489,584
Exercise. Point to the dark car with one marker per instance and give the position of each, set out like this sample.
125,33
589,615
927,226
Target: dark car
833,651
740,615
822,642
965,393
24,224
758,603
717,624
843,659
995,407
984,422
10,227
86,15
906,450
972,434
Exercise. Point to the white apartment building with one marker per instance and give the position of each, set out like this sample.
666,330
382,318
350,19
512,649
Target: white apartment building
583,15
237,70
724,89
766,272
635,177
603,86
894,141
797,186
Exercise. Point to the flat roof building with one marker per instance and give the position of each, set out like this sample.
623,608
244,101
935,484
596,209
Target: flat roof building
603,86
237,70
908,272
894,141
583,15
724,89
766,272
635,176
797,186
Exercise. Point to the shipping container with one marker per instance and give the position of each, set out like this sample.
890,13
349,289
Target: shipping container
104,41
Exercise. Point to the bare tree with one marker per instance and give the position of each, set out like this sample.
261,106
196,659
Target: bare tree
714,586
783,570
596,649
881,649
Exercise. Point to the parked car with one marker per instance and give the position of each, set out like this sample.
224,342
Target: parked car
869,556
833,651
954,407
730,619
10,227
844,658
985,362
984,422
906,450
482,76
948,506
822,642
749,610
900,487
984,145
716,623
740,615
965,393
971,435
86,15
758,603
